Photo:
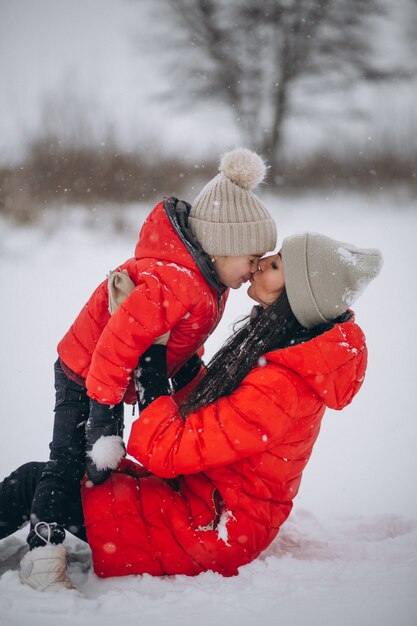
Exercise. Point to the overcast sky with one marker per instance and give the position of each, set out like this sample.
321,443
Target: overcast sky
86,48
94,55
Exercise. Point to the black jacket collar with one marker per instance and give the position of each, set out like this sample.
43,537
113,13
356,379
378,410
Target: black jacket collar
177,212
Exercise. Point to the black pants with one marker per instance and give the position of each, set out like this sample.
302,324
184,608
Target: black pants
16,495
57,497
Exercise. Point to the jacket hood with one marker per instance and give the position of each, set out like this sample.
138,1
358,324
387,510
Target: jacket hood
332,364
165,236
159,240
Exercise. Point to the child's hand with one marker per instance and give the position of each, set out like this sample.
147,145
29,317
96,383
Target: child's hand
104,446
97,477
104,456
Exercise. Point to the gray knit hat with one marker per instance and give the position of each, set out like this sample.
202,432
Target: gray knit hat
324,277
226,217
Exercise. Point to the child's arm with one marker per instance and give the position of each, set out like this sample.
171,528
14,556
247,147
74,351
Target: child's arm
152,308
105,447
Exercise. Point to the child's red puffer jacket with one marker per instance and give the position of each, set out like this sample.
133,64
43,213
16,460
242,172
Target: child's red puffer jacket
171,293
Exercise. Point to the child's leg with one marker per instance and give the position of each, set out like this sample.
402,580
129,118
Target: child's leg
16,495
118,414
57,498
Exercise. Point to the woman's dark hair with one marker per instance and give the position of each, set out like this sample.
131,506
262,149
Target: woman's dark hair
272,328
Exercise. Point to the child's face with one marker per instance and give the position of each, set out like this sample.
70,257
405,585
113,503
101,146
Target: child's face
233,271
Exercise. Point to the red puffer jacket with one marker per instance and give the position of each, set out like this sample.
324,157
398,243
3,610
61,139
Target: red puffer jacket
171,293
223,480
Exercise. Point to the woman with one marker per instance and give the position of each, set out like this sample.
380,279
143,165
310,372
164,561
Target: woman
226,461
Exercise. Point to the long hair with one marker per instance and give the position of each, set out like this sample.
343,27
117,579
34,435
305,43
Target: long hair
273,328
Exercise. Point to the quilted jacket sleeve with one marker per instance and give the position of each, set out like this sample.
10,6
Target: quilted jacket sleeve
254,417
152,308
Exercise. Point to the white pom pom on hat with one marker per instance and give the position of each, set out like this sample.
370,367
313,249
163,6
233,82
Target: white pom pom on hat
226,217
243,167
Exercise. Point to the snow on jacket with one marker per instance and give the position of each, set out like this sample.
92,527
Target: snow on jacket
174,290
223,480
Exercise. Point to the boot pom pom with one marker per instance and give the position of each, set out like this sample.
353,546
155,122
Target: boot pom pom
107,452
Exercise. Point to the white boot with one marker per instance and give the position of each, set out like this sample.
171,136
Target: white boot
45,568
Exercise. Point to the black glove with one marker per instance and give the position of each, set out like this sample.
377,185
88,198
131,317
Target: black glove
104,446
151,376
186,374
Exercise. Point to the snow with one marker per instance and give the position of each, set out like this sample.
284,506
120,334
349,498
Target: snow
140,390
347,554
352,257
351,295
180,268
222,526
348,257
348,571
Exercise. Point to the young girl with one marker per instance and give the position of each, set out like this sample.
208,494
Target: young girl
225,463
185,261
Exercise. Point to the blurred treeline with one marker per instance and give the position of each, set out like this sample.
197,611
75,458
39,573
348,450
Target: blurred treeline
55,174
259,61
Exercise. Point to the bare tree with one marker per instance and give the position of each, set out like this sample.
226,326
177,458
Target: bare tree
411,18
250,54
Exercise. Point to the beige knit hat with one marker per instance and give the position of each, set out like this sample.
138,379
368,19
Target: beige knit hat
226,217
324,277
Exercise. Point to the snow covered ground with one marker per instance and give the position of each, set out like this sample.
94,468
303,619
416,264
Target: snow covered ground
348,553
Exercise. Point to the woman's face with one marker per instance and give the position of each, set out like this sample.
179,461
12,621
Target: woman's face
233,271
268,283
